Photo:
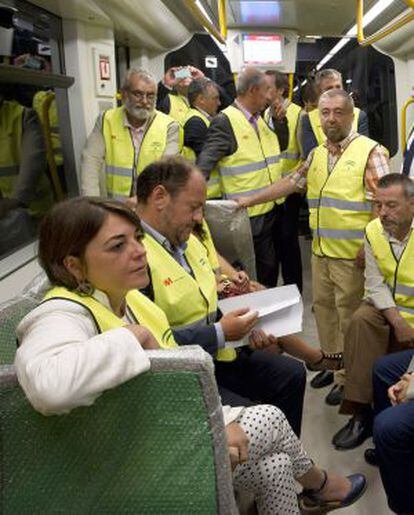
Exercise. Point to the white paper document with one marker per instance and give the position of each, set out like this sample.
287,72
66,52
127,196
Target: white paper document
280,310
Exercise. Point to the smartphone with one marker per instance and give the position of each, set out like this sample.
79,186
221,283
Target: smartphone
183,73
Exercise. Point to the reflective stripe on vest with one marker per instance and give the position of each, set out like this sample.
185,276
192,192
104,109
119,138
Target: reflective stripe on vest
178,108
339,211
317,127
120,156
289,158
145,312
255,163
11,136
187,300
398,275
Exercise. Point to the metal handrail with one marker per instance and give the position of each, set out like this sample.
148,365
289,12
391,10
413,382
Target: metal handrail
223,17
391,27
199,16
404,123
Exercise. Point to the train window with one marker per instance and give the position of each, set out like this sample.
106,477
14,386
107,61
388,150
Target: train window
36,156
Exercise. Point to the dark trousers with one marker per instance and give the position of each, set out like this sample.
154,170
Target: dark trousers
276,245
394,433
259,377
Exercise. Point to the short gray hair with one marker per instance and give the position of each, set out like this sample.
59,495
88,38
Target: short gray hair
327,73
397,179
332,93
199,87
141,73
248,78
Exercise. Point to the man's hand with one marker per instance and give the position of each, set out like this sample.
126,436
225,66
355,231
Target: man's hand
238,444
242,201
195,72
398,392
169,79
145,338
404,333
360,259
238,323
278,108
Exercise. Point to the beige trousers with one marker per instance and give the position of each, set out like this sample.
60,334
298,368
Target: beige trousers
368,338
337,288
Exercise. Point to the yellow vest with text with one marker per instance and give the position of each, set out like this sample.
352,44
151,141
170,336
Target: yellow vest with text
213,184
188,300
143,310
178,108
338,208
121,163
255,163
11,134
317,127
289,158
38,105
398,274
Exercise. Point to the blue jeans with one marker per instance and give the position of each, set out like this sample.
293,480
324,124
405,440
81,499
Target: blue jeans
394,433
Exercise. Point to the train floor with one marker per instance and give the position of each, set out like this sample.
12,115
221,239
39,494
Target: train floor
321,421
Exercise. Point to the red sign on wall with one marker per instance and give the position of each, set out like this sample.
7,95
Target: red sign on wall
104,68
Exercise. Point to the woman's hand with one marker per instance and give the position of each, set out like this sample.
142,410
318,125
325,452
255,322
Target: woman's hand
144,336
238,444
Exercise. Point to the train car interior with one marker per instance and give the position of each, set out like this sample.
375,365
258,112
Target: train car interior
65,62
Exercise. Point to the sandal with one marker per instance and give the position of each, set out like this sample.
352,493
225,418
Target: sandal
328,361
310,501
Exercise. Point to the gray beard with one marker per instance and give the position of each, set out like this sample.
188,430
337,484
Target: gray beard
140,113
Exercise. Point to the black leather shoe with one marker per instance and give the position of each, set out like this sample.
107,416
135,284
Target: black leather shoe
356,431
322,379
370,456
311,502
334,397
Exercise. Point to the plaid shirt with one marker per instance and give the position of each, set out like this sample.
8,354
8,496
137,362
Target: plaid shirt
377,165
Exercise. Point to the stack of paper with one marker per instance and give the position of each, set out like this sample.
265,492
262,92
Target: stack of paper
280,310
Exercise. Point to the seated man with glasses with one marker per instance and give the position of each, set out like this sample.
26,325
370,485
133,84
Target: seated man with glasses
126,139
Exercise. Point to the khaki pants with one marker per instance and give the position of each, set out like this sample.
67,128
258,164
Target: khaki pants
368,338
337,287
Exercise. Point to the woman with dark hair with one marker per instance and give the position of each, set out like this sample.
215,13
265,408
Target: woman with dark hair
92,329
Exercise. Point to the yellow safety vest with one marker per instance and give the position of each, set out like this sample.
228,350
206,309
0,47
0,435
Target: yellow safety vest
11,134
188,300
338,208
178,108
213,184
122,165
144,311
289,158
398,274
317,127
38,102
208,244
255,163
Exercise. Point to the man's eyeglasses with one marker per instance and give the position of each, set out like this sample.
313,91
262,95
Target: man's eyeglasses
141,95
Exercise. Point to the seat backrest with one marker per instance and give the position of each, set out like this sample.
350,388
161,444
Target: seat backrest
232,234
11,313
154,445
